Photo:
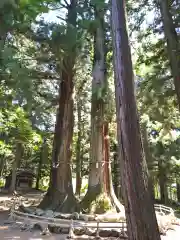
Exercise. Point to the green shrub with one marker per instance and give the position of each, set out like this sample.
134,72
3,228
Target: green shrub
2,182
101,205
44,183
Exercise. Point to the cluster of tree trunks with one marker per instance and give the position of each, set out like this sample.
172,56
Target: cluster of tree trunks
100,181
137,186
137,191
140,213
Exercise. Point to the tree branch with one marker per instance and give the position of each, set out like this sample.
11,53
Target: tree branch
63,19
67,4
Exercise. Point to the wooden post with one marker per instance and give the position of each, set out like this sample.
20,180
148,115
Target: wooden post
97,231
71,233
122,234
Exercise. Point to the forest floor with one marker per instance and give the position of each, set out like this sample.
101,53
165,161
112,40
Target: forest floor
10,232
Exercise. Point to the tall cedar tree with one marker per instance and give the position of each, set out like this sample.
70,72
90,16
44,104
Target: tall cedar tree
100,181
173,46
140,214
60,196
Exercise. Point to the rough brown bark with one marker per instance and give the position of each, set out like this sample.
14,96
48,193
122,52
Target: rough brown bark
78,151
148,157
163,183
163,189
178,191
108,184
173,46
2,162
97,114
140,214
95,184
39,173
40,166
60,196
117,174
106,150
100,181
18,155
60,193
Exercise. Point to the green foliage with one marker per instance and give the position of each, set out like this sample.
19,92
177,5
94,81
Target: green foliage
44,183
84,189
155,91
2,182
5,149
101,205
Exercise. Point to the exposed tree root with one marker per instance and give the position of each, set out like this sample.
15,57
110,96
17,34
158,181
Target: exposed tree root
116,203
90,196
59,202
95,201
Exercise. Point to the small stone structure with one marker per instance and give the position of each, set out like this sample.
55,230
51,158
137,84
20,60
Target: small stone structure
24,179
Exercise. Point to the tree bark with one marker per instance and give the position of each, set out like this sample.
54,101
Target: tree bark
178,191
18,155
39,173
60,193
78,151
117,174
148,158
108,187
162,183
60,196
163,189
140,214
2,162
173,46
97,115
99,175
106,148
40,165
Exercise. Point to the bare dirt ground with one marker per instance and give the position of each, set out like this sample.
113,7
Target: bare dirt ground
10,232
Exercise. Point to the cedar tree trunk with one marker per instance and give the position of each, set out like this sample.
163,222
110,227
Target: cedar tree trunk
99,175
60,196
173,46
18,155
2,163
95,183
117,174
78,150
40,166
108,184
163,183
140,214
148,157
178,191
